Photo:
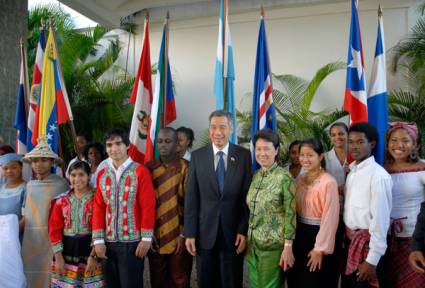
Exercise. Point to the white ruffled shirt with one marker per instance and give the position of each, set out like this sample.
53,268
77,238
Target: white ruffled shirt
408,194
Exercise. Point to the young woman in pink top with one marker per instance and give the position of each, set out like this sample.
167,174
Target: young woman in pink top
317,220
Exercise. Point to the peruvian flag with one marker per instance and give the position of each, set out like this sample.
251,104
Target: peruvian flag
35,89
141,98
355,102
163,110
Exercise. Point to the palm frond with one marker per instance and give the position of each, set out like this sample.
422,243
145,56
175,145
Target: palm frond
292,97
406,106
411,49
288,91
202,140
98,67
318,78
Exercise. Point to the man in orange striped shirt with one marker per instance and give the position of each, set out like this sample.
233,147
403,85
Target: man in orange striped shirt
170,263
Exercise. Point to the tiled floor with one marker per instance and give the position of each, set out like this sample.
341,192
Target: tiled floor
193,283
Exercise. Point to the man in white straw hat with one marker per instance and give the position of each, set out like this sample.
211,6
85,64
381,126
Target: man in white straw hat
41,192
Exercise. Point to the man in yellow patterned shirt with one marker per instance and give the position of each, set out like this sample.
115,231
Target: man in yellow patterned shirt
170,263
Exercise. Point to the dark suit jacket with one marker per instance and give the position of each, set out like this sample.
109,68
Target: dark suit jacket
205,208
418,238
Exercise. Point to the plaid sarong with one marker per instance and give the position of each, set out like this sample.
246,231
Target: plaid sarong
357,251
399,272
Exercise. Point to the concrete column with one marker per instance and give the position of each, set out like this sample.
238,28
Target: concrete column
13,25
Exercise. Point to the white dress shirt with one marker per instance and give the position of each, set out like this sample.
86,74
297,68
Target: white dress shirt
120,170
187,155
225,150
368,201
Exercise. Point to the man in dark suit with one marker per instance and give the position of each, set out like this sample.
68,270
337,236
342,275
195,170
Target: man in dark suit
215,213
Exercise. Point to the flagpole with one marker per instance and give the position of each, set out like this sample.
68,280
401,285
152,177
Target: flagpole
24,60
268,57
225,54
164,99
71,122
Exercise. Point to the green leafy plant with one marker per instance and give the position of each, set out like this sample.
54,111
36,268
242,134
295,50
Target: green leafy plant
408,61
293,97
97,102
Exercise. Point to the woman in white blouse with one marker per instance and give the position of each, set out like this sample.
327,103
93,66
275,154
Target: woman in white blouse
408,175
337,166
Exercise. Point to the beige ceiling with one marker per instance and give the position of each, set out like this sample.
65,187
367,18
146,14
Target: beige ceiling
110,13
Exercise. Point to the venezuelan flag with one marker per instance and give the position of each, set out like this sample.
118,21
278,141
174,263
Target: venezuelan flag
53,107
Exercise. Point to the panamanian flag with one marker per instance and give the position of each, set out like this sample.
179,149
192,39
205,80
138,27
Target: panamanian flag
263,110
377,104
35,89
355,102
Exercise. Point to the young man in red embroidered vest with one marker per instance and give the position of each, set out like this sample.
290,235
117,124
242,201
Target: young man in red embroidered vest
123,214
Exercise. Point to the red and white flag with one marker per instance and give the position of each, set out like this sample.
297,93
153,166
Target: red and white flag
141,98
35,89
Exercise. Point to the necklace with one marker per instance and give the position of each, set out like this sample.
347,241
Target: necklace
310,178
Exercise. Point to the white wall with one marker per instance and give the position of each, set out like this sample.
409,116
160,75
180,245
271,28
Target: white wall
300,40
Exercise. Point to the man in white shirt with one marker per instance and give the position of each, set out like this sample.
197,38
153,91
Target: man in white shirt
367,209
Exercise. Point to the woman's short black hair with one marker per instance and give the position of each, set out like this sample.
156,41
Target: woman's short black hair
189,134
96,145
83,165
269,136
317,146
363,127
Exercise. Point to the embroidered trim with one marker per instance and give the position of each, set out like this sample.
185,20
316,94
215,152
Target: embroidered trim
58,247
146,234
120,205
406,171
98,235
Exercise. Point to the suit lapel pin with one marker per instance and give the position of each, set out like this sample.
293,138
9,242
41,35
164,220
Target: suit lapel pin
232,159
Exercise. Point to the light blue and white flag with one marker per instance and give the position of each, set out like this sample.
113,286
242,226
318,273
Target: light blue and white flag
224,69
377,103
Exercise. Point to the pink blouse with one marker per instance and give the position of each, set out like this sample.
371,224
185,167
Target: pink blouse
320,200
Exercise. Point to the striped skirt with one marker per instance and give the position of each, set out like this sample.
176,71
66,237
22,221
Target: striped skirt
75,252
